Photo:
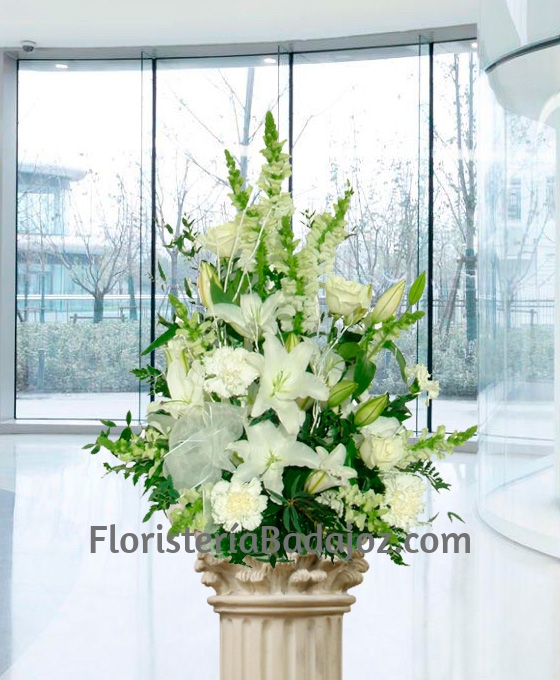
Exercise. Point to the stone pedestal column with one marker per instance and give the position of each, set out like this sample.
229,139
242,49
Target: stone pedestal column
282,623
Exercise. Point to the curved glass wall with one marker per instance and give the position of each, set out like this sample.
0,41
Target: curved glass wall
102,191
518,294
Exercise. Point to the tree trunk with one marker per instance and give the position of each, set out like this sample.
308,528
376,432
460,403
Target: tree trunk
245,140
174,283
98,305
133,309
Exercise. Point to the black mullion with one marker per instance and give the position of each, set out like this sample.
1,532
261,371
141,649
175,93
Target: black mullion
153,234
291,118
430,277
16,246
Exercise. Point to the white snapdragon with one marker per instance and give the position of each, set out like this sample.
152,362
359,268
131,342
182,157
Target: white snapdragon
383,445
404,496
422,376
228,374
237,506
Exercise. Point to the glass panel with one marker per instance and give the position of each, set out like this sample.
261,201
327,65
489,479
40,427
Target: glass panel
518,280
361,116
206,106
79,239
455,306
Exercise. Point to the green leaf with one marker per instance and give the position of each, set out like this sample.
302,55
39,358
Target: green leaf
218,296
417,289
364,374
108,423
286,518
163,338
128,418
276,496
399,356
161,273
451,515
348,350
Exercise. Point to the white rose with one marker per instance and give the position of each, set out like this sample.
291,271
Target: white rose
347,298
384,444
221,240
404,494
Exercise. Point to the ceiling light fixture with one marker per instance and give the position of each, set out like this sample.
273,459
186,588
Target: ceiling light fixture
62,67
269,60
474,45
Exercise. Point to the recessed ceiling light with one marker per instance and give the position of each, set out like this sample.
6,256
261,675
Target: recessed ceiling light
474,45
62,67
269,60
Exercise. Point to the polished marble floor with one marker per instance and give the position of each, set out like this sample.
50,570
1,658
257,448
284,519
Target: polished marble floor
66,614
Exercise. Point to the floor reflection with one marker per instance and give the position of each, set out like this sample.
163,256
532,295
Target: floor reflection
68,614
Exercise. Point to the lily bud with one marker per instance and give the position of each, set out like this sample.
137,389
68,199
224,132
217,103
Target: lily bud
292,341
207,275
341,392
388,303
305,403
371,410
317,481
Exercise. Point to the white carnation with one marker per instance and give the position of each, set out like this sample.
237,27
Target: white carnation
228,374
235,503
404,495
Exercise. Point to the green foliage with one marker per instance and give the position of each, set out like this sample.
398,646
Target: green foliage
162,339
428,470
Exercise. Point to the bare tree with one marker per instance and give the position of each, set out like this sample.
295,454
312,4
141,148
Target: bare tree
456,183
95,254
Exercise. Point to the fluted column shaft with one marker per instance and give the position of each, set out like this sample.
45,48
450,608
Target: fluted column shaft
281,637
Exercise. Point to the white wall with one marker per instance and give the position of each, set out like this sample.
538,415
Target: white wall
105,23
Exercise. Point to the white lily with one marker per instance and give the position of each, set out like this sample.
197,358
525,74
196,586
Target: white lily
253,318
186,388
267,451
283,379
331,471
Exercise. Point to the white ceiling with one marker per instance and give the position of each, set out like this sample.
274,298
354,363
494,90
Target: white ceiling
143,23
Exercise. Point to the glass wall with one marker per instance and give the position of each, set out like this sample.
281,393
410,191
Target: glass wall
108,173
81,284
205,106
518,293
362,117
455,234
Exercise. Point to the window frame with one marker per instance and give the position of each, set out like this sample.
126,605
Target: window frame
9,61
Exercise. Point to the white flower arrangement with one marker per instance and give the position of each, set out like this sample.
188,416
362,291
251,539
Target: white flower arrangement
264,414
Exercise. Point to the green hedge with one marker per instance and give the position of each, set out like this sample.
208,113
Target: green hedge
86,357
82,357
